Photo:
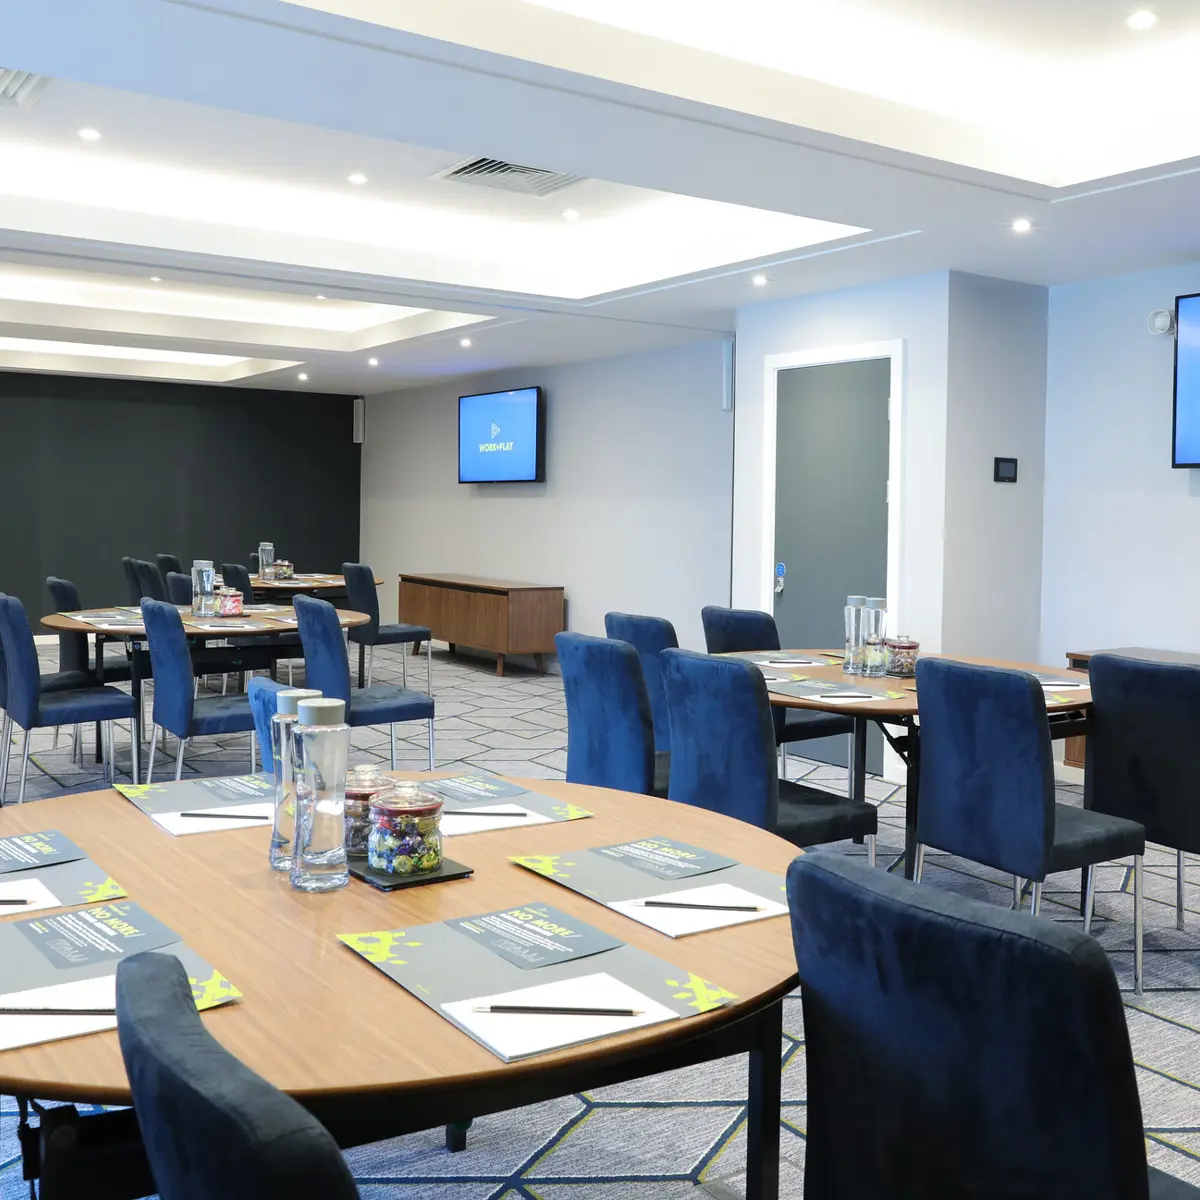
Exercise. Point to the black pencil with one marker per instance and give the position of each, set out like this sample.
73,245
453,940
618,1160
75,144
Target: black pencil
559,1010
709,907
16,901
226,816
58,1012
474,812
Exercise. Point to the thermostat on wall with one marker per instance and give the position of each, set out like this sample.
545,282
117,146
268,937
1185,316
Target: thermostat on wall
1005,470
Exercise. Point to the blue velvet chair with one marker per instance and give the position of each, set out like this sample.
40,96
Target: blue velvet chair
262,693
610,735
958,1051
34,701
132,584
987,787
179,589
327,668
363,598
150,580
723,756
168,563
742,630
1141,752
177,709
73,647
649,636
212,1128
235,575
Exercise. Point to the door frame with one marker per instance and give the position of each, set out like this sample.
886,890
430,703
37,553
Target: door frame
829,356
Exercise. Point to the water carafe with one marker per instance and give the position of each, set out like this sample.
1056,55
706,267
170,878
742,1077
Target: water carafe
204,600
874,628
852,663
284,771
319,849
266,560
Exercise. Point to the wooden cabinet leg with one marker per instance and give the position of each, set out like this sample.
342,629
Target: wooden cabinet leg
415,648
540,662
499,664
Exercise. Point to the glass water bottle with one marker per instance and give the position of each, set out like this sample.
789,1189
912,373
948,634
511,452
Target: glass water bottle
283,770
874,622
266,560
852,663
319,853
204,601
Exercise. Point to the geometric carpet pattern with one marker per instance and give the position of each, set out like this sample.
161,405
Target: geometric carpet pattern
682,1134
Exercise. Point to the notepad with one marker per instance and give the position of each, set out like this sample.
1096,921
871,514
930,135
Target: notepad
679,922
793,662
178,825
452,825
1061,685
520,1035
23,886
28,1030
842,698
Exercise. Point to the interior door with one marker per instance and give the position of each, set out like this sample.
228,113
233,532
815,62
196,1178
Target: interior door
831,516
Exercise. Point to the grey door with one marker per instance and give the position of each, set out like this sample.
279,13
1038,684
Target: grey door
831,475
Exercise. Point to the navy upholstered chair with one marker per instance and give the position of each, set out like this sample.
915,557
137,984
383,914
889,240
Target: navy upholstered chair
327,668
132,585
723,755
177,709
987,787
33,701
236,576
262,693
649,636
362,598
168,563
210,1125
150,580
610,735
956,1050
742,630
73,647
179,588
1141,752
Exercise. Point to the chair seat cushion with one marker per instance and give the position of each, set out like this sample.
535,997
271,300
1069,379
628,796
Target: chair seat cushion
802,724
1168,1187
1083,837
116,670
811,817
662,772
383,703
66,681
85,704
220,714
391,635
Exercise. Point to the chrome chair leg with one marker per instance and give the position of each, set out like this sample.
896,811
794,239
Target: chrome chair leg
6,746
1178,889
54,745
1018,890
370,664
290,662
152,752
1089,899
392,740
253,750
1137,924
919,864
135,750
24,766
431,755
179,760
429,666
76,744
870,848
782,761
1037,897
404,648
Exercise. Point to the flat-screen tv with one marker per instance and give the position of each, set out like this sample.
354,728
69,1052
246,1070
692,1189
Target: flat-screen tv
1186,433
502,437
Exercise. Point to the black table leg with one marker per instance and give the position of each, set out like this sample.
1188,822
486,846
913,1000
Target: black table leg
762,1115
456,1136
911,799
858,760
362,664
135,688
99,681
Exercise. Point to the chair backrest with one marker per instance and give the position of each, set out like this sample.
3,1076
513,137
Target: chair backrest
72,647
1141,747
22,698
172,667
649,636
733,630
722,739
987,775
150,580
167,563
326,665
262,692
235,575
179,588
131,580
361,595
610,735
210,1125
956,1049
252,562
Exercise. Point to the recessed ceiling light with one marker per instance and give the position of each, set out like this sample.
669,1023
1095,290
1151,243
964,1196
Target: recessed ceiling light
571,214
372,362
759,280
90,135
465,343
1022,225
302,377
1142,19
357,178
320,297
156,279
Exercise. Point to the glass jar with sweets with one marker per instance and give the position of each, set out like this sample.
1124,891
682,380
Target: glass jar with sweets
364,783
902,654
229,602
283,569
406,834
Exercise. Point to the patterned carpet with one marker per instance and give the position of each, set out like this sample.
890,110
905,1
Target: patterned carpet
682,1134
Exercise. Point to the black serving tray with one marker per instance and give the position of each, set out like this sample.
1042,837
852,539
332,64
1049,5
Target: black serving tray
390,883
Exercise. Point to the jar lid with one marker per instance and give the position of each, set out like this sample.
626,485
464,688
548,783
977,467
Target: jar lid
226,590
367,780
407,799
902,641
286,701
321,711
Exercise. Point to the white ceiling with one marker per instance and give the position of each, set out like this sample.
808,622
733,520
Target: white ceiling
880,139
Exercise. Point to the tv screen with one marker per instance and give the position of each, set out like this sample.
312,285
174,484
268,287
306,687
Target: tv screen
1187,382
502,437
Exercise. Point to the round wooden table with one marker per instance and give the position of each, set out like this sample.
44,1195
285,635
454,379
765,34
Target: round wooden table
314,582
367,1058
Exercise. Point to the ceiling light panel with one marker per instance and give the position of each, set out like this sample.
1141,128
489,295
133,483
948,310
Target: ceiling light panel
146,354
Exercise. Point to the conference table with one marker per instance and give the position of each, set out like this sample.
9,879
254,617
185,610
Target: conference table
893,708
368,1059
311,583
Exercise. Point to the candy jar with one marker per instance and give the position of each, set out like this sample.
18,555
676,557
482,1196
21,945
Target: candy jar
406,835
364,783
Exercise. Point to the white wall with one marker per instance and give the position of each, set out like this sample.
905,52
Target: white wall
913,310
996,405
1120,562
635,512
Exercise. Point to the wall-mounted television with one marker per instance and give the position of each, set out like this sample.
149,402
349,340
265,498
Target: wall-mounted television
1186,426
502,437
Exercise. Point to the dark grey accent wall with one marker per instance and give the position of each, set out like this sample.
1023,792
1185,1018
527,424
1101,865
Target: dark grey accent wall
93,469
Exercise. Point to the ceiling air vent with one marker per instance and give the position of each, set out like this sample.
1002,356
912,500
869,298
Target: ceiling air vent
21,88
509,177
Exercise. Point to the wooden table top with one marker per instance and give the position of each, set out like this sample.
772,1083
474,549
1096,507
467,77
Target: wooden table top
1182,657
69,622
306,583
898,697
480,583
316,1019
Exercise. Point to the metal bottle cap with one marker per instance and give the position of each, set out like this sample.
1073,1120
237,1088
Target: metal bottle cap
855,601
285,702
877,602
321,711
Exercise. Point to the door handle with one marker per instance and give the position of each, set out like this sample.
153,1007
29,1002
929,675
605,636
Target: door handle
780,577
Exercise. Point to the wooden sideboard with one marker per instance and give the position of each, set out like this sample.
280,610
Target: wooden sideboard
486,614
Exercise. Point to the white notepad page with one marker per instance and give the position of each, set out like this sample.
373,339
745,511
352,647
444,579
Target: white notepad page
21,886
679,922
179,825
28,1030
452,825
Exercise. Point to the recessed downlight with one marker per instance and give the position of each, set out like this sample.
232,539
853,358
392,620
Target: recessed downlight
303,377
465,343
1143,18
759,280
156,279
90,135
571,214
1022,225
319,296
357,178
372,362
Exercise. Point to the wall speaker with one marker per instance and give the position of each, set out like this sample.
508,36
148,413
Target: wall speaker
1161,320
360,419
